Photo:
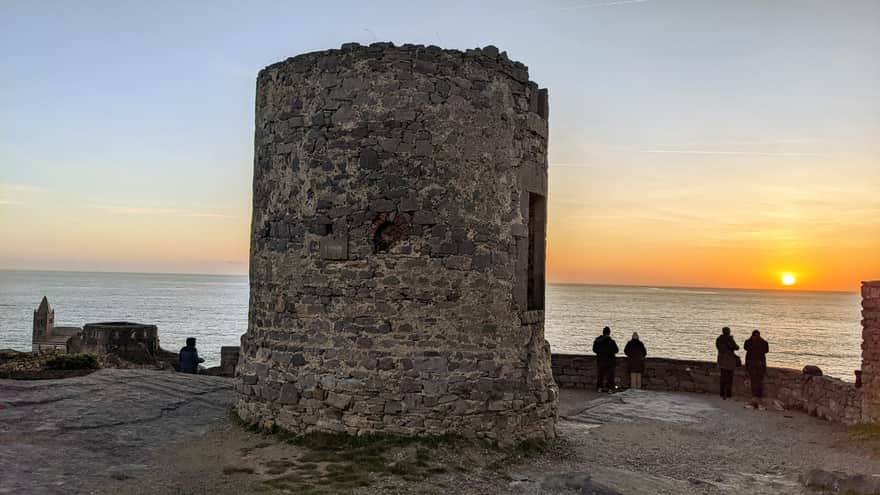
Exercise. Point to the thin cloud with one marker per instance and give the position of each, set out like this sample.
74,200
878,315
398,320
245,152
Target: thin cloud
139,210
129,210
10,202
731,152
195,214
612,3
573,165
22,188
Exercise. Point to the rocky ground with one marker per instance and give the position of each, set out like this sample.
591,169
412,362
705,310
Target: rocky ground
147,432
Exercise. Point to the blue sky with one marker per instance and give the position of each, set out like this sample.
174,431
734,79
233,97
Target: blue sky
131,117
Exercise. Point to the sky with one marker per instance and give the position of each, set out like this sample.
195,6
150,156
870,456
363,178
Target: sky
692,143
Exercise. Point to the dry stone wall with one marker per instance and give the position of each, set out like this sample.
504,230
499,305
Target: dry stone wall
871,350
397,250
821,396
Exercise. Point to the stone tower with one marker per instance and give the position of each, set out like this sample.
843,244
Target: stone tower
44,322
397,249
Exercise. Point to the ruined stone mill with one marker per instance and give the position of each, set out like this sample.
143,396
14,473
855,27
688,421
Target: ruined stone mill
398,245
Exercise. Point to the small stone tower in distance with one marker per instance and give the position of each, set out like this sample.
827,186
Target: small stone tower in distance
44,322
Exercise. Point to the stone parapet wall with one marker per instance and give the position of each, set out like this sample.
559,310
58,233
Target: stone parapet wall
821,396
397,247
229,359
871,350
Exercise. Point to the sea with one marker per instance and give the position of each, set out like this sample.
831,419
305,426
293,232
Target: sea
820,328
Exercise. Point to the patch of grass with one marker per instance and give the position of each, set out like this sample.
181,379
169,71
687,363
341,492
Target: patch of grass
72,362
230,470
532,448
340,462
248,450
278,467
865,432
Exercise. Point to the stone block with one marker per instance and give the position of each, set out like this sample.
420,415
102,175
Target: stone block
289,394
338,401
435,364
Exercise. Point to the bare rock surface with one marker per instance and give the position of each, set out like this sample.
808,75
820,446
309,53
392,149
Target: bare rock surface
73,435
634,405
566,483
139,432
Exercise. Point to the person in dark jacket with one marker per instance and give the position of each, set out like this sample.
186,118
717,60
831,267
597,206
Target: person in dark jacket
635,352
756,362
727,361
605,348
189,357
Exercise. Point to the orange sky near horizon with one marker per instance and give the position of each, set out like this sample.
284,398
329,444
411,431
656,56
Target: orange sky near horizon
602,229
725,230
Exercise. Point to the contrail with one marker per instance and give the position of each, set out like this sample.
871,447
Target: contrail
602,4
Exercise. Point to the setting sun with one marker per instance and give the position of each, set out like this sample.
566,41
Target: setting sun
788,279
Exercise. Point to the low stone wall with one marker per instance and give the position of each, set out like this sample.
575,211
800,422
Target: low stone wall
229,359
821,396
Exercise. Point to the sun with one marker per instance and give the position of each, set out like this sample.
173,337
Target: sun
788,279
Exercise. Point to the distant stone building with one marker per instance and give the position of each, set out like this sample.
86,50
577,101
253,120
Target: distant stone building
397,250
133,342
46,336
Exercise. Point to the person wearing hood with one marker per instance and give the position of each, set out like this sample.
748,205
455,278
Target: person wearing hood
756,362
606,349
635,352
727,361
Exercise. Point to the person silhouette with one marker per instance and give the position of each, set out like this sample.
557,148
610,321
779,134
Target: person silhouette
606,349
756,362
727,361
635,352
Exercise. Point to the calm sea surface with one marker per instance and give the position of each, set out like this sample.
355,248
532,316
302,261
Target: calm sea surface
820,328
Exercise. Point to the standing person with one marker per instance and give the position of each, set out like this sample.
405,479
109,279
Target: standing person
727,361
635,352
189,357
605,348
756,362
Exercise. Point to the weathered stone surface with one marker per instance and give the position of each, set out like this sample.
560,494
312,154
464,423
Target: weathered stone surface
840,482
73,435
561,484
431,165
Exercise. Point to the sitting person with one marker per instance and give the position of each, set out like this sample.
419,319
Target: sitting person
189,357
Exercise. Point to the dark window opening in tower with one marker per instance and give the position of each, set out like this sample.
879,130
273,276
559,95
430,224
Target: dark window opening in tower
537,235
383,238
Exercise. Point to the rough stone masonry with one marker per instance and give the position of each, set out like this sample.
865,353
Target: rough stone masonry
397,250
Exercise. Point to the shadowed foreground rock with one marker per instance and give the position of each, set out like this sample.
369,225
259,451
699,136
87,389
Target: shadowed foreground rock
562,484
840,482
68,436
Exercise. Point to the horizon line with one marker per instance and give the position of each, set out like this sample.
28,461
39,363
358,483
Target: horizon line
587,284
